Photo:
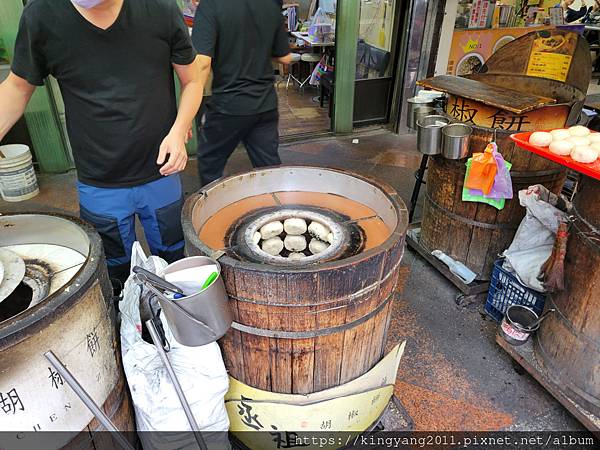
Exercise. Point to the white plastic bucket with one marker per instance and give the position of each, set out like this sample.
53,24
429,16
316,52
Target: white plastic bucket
17,177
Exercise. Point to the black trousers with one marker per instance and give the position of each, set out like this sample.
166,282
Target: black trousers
222,133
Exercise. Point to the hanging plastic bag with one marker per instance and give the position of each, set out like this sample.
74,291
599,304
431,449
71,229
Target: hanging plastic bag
320,18
502,188
468,195
200,370
321,27
319,71
483,171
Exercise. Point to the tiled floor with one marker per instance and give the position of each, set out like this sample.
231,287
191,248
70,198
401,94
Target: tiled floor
453,375
299,112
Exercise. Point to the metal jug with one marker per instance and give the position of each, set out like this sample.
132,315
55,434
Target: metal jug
198,319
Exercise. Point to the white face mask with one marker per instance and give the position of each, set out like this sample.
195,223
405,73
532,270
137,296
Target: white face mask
87,4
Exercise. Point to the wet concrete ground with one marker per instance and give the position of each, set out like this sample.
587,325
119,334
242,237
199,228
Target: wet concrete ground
453,375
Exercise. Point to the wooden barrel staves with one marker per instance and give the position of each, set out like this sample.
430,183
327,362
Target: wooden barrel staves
568,342
76,320
476,233
303,327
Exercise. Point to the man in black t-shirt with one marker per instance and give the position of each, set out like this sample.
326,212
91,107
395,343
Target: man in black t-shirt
114,62
240,39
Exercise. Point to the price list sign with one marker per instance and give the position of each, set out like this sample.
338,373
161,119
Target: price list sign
549,65
551,57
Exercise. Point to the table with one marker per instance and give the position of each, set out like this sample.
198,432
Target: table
306,38
515,101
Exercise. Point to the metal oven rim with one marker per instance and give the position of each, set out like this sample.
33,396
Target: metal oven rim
397,205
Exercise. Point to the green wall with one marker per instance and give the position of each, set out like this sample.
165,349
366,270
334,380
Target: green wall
41,116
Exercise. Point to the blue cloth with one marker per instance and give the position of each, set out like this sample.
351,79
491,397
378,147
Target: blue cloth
112,211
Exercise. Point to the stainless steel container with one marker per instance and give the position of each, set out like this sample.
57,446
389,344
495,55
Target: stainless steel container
518,324
423,111
413,104
429,134
201,318
429,94
455,140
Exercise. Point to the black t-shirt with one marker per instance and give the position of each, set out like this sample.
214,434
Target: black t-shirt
241,37
117,84
573,15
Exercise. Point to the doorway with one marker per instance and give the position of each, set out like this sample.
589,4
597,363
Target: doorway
367,55
304,109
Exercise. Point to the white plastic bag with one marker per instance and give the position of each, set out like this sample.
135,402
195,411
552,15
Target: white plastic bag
534,240
321,27
200,371
320,18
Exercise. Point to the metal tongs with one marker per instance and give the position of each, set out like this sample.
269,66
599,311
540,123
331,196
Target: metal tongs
153,282
150,279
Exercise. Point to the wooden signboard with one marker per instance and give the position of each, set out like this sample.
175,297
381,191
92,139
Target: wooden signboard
555,54
477,113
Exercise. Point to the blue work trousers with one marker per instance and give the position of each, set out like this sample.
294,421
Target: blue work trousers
112,211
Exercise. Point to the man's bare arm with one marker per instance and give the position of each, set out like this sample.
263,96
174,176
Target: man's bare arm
205,64
15,93
192,78
287,59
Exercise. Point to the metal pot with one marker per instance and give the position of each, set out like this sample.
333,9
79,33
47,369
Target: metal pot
429,134
413,104
518,324
455,140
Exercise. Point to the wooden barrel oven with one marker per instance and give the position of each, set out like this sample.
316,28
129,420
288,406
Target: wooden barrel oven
76,322
302,328
568,342
476,233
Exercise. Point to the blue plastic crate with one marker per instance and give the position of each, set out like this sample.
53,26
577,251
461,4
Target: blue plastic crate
506,290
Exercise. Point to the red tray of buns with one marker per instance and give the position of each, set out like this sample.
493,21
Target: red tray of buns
591,170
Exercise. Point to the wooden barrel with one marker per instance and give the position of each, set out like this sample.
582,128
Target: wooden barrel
305,329
76,322
476,233
568,342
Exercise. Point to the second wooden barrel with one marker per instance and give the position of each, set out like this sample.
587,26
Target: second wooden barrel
303,327
476,233
568,342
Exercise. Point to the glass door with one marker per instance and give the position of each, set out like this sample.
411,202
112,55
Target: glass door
375,61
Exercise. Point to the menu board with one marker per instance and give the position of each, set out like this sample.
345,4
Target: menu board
551,57
471,48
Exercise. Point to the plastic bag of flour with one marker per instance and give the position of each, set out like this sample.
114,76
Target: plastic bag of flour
200,371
